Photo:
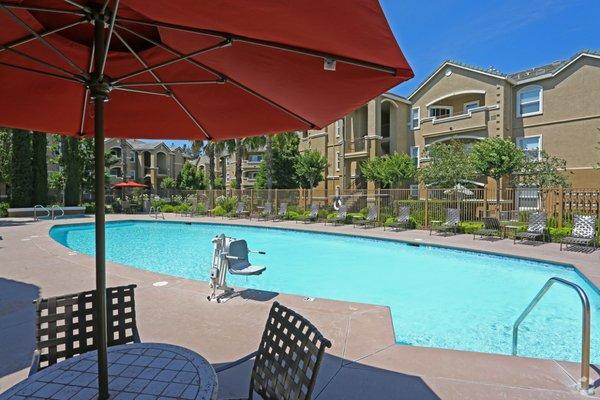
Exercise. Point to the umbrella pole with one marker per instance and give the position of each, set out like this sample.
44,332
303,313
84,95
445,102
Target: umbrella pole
100,95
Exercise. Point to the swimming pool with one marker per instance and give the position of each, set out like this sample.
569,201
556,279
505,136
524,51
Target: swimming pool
438,297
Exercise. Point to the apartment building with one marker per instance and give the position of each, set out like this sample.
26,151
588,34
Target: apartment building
147,162
555,108
375,129
225,166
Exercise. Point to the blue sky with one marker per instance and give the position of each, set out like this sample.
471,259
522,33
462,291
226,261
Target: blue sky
509,35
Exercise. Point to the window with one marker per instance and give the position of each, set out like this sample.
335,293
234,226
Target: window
414,154
337,160
415,117
255,158
531,145
339,128
414,190
116,171
529,101
470,105
116,151
440,111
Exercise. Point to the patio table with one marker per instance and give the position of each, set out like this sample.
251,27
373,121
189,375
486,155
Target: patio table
136,371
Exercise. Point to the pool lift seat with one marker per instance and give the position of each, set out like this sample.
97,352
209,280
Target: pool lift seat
229,255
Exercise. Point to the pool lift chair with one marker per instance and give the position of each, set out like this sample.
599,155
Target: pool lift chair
229,255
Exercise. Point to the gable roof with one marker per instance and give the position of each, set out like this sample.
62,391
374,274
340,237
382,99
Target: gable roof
516,78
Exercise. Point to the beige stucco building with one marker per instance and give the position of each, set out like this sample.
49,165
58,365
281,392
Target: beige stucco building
555,108
147,162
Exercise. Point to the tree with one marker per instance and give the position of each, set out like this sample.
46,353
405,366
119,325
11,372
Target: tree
5,155
545,173
189,178
282,160
496,157
309,169
389,171
72,164
269,163
448,165
21,175
168,183
39,168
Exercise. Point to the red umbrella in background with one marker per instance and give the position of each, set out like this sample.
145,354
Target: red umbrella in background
128,184
187,69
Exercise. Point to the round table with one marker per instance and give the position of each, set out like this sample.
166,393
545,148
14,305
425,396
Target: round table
136,371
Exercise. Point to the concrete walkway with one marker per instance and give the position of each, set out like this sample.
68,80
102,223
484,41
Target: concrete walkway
364,362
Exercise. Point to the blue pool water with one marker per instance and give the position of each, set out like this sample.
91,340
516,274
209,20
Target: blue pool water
438,297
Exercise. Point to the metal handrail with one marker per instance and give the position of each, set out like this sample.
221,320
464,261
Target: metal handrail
154,212
584,382
59,208
39,207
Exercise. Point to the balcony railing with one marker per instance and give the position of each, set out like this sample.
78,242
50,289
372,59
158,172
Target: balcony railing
356,145
475,118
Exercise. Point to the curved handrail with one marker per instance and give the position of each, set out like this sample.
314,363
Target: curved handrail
59,208
584,382
39,207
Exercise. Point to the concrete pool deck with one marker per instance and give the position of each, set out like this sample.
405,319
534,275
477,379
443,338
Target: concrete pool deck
363,363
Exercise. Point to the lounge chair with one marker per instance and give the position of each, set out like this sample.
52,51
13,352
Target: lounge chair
313,216
451,224
239,211
402,221
370,219
536,228
584,232
288,359
66,325
491,227
281,213
339,218
266,213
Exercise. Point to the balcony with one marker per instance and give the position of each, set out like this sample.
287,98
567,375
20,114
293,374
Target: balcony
247,164
356,148
474,119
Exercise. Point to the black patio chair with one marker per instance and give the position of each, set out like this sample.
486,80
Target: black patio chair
451,223
311,217
66,325
288,359
537,228
584,232
281,213
402,221
370,219
491,227
339,218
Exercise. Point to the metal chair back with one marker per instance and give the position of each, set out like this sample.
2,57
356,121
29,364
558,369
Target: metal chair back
240,207
268,210
66,325
584,226
403,214
314,211
282,209
372,214
491,223
537,222
342,211
452,216
289,357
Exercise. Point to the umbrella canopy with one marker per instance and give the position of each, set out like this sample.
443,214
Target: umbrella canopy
129,184
459,189
187,69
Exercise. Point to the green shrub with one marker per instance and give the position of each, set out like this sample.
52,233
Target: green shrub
90,208
228,204
291,215
558,233
184,207
4,209
201,209
167,208
219,211
351,217
323,213
469,227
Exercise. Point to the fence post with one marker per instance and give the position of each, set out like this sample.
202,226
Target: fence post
561,203
485,202
378,202
426,217
275,203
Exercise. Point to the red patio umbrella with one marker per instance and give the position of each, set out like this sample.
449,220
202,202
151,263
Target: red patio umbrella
128,184
187,69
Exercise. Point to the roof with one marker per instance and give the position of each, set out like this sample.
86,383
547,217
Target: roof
541,72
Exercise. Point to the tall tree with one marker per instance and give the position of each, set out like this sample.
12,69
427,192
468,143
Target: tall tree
309,168
389,171
21,175
72,169
124,158
496,157
5,155
39,163
548,172
448,165
269,163
283,160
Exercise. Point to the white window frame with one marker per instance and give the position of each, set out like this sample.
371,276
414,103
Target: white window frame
540,100
412,118
337,161
449,108
418,154
520,144
339,127
470,103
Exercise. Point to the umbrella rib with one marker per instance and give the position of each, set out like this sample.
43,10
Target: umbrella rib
266,43
43,9
36,71
182,57
42,39
111,28
87,91
42,62
174,83
222,76
166,94
46,33
85,9
158,80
